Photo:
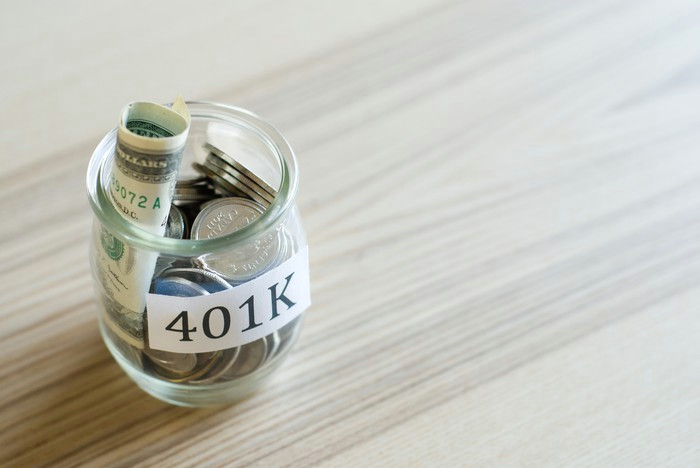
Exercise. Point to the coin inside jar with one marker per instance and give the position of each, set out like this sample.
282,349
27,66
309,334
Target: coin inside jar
192,192
169,365
251,357
242,172
286,336
175,227
229,215
225,172
273,344
176,286
204,363
205,279
224,361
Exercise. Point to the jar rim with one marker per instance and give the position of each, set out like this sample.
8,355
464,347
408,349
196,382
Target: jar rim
140,238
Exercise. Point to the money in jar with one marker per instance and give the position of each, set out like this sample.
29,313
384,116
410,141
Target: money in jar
198,255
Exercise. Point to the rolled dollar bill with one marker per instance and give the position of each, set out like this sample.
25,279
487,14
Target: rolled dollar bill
150,141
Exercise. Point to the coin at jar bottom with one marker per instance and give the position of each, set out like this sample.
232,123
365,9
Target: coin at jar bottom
203,366
288,334
252,356
273,344
171,365
227,359
176,286
205,279
166,263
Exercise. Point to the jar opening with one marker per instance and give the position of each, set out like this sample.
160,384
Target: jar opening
231,126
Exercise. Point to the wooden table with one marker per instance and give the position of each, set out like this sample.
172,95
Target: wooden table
502,200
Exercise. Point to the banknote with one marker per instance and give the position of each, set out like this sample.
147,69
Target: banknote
150,142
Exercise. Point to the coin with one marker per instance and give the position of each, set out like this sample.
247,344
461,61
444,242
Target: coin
221,167
177,286
224,216
205,279
203,366
247,261
193,193
242,169
219,183
224,362
192,181
251,357
287,335
273,343
175,227
229,185
168,364
171,365
287,247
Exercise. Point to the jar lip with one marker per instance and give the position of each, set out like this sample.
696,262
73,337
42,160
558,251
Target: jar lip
140,238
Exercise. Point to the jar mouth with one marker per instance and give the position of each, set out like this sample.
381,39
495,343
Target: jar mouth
235,116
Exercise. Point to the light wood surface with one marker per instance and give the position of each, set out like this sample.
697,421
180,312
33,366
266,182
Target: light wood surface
502,200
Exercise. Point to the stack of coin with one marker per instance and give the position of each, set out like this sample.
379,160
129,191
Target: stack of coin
193,191
231,178
205,368
245,198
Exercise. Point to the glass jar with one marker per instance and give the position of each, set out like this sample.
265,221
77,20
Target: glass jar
184,347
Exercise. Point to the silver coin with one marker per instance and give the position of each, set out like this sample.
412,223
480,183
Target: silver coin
243,263
193,191
287,247
220,184
169,284
242,169
187,198
208,203
175,226
201,277
168,364
183,198
191,181
288,335
226,360
252,356
203,367
223,169
224,216
193,194
227,182
273,343
171,365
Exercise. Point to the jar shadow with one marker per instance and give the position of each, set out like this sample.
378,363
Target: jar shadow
87,409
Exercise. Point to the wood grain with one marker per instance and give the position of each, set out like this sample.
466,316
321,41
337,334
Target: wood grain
502,201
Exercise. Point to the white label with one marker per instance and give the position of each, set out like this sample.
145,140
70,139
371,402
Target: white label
232,317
